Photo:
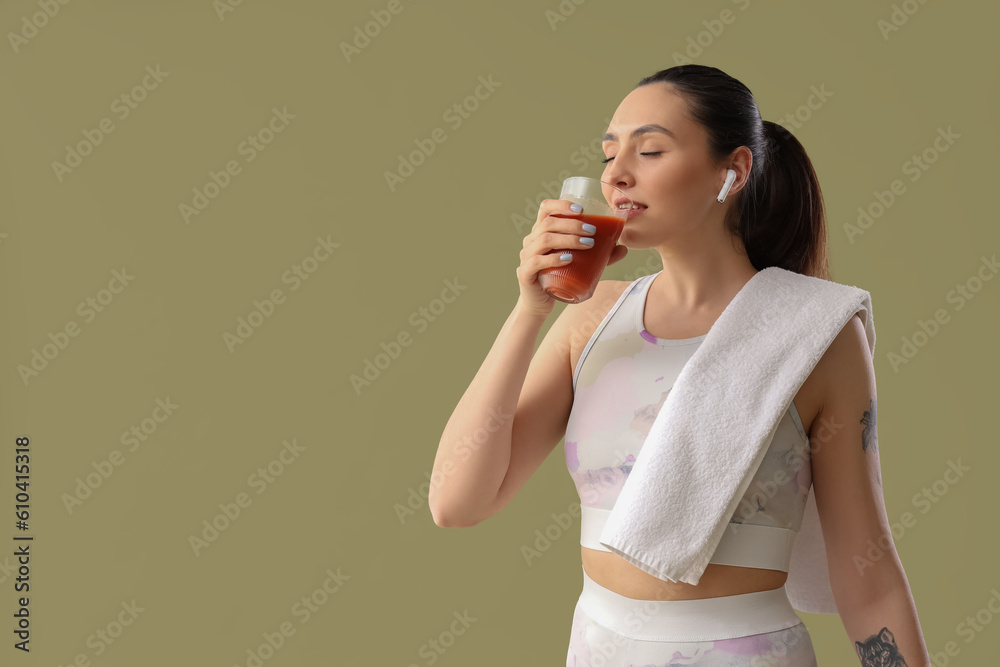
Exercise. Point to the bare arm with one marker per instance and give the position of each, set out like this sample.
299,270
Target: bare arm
486,476
866,575
474,451
516,407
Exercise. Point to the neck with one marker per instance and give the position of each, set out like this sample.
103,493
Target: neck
699,275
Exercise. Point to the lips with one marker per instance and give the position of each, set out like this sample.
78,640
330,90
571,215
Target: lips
624,200
633,212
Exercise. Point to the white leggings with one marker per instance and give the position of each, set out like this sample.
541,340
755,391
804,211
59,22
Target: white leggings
758,629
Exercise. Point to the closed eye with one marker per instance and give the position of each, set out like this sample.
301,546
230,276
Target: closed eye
609,159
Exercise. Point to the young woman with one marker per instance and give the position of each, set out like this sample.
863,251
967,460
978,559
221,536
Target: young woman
669,146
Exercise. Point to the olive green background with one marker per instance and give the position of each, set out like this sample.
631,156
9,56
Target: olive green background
367,453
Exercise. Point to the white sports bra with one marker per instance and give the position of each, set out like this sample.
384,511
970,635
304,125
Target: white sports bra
620,383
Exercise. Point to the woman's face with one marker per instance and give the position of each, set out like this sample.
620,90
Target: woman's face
659,157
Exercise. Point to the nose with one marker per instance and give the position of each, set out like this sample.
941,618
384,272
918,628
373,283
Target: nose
618,174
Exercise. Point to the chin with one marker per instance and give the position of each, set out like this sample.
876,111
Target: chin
631,240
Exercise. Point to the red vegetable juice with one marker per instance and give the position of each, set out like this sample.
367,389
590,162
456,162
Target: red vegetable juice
577,280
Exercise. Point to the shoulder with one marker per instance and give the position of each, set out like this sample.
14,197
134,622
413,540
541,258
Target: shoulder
584,318
846,371
608,290
606,294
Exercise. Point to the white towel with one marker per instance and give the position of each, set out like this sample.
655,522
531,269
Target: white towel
716,425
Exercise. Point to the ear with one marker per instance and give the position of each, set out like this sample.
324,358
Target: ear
740,162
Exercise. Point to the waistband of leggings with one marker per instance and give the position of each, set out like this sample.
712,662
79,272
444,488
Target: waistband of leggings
704,619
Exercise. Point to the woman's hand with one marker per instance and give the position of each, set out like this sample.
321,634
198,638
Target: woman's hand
553,230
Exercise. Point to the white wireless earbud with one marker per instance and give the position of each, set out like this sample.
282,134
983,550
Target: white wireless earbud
730,177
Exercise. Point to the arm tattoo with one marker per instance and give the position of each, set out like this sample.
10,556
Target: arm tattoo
880,650
869,437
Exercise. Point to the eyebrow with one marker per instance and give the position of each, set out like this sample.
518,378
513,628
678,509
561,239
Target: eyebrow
644,129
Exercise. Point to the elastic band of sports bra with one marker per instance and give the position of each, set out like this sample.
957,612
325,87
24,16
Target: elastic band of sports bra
742,544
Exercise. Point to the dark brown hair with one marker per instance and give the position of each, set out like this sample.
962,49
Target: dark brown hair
779,213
